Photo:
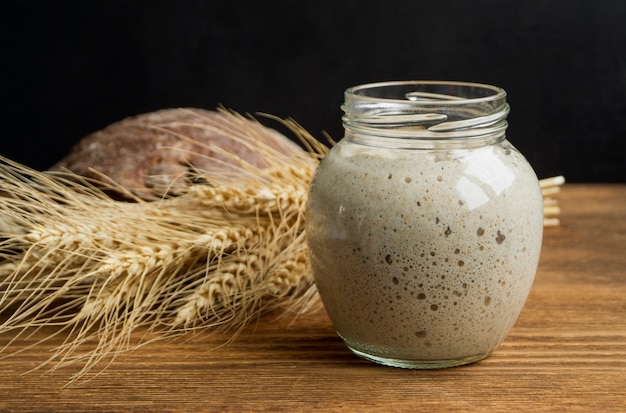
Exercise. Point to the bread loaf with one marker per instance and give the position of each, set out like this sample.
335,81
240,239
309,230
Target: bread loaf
155,154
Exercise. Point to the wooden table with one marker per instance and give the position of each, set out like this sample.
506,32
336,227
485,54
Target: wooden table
566,353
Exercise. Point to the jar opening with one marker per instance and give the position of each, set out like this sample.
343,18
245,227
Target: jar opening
432,110
429,92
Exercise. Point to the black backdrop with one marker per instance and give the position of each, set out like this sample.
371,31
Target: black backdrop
69,68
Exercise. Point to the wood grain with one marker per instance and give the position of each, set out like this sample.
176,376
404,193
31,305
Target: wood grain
567,351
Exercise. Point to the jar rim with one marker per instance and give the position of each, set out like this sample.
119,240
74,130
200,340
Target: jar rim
495,92
426,110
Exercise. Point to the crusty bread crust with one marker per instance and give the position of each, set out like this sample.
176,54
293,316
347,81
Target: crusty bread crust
153,155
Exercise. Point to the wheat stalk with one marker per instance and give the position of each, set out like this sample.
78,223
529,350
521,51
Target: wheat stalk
214,257
551,209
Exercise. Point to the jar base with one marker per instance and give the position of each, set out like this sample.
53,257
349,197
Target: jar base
419,364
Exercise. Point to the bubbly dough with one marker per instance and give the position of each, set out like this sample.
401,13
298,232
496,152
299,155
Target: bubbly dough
423,255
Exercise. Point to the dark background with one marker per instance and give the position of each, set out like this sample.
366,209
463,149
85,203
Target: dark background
70,68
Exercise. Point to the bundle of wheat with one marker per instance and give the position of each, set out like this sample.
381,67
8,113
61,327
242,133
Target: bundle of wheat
551,209
218,255
227,248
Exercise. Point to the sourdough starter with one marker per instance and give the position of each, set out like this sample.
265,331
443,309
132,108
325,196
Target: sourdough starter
424,258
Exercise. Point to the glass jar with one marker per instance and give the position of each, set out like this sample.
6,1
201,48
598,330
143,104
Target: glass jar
424,224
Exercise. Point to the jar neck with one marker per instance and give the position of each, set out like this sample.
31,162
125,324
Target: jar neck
416,114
